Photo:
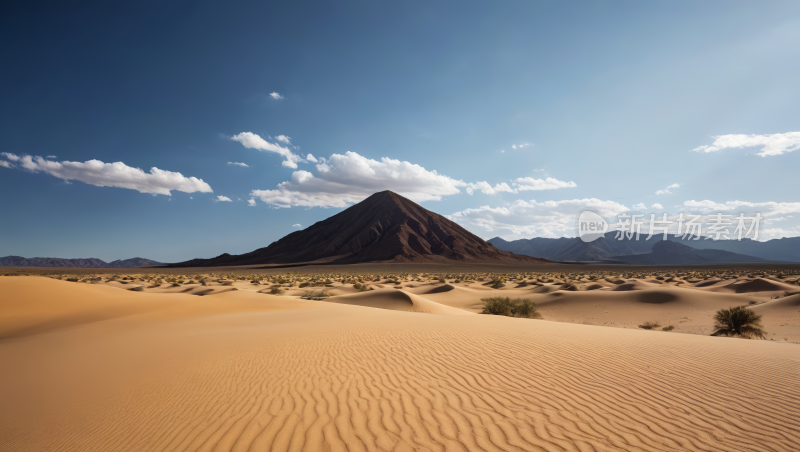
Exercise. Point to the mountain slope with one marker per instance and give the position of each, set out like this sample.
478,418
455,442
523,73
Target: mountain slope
18,261
383,227
573,249
673,253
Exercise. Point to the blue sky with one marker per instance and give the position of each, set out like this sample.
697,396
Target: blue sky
535,108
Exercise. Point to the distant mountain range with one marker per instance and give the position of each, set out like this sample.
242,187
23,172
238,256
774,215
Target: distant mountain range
667,252
18,261
385,227
608,248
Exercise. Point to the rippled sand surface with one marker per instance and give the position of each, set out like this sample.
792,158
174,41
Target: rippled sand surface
97,368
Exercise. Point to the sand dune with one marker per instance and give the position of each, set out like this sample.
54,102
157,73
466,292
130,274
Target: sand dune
755,285
37,305
396,300
246,371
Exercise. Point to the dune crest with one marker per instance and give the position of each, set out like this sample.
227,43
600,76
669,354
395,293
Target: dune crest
244,371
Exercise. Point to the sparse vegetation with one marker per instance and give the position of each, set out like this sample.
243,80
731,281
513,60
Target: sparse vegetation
361,287
497,282
738,321
319,295
649,325
275,290
668,328
517,307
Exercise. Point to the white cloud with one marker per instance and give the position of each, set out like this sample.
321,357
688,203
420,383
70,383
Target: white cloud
10,156
774,144
350,178
777,233
657,206
520,146
667,191
487,189
251,202
51,157
534,219
252,141
521,184
284,139
311,158
117,174
529,183
239,164
5,164
296,225
275,95
639,206
224,198
767,209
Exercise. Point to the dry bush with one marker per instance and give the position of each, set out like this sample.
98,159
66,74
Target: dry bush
320,295
738,321
517,307
649,325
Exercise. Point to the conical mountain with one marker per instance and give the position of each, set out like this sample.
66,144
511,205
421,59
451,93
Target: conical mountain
383,227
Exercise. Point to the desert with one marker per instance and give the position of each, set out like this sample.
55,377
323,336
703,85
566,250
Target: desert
450,226
240,360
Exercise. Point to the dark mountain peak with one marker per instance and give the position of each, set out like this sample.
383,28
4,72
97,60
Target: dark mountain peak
383,227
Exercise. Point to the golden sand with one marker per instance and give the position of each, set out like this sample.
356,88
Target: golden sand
88,367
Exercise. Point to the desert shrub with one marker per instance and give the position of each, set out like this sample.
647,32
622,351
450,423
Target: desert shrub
175,284
738,321
304,284
668,328
649,325
442,280
275,290
361,287
319,295
517,307
497,282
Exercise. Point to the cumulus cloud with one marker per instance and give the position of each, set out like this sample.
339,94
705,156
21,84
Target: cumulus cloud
487,188
296,225
10,156
117,174
767,209
311,158
777,233
5,164
520,146
349,178
529,183
224,198
667,191
284,139
639,206
251,202
772,144
239,164
275,96
520,184
525,219
657,206
252,141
